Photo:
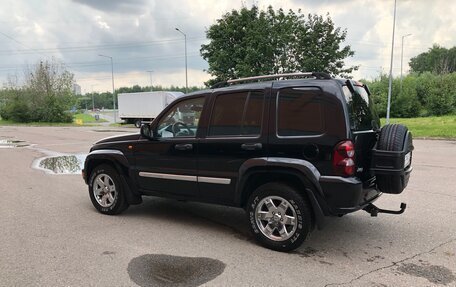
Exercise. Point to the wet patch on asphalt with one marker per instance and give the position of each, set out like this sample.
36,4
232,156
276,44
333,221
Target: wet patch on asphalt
61,164
170,271
307,252
9,143
433,273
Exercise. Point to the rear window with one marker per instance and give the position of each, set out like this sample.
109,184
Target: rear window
237,114
361,109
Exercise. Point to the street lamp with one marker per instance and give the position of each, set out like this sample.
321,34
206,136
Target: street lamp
150,74
402,55
93,100
391,68
112,75
186,79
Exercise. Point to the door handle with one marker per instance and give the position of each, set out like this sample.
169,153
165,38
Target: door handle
183,146
251,146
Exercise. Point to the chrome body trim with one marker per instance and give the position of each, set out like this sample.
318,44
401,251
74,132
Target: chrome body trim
203,179
169,176
215,180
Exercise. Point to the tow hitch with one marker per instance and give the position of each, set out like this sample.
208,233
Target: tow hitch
374,210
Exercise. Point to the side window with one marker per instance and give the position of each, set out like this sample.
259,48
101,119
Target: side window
237,114
182,120
299,112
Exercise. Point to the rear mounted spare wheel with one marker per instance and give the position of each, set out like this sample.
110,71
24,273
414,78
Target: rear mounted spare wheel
392,158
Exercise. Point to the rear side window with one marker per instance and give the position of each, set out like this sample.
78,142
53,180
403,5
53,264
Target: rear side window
361,109
237,114
299,112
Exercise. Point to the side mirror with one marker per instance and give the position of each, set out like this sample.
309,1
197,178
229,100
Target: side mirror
146,132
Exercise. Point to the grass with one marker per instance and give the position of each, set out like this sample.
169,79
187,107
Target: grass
87,120
429,127
36,124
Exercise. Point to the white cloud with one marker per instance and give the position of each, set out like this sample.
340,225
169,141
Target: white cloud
38,29
102,24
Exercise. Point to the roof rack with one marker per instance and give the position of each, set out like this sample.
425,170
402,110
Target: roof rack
317,75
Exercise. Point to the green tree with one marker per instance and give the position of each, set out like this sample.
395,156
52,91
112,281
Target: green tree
379,91
424,94
405,103
45,97
251,42
442,96
437,60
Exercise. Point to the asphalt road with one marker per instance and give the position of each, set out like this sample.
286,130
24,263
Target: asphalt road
50,234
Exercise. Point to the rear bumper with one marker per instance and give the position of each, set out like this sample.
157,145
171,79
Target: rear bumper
345,195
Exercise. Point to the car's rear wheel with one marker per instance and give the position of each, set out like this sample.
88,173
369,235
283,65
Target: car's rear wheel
106,191
393,137
279,217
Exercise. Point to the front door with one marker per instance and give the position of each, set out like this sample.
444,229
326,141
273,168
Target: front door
167,164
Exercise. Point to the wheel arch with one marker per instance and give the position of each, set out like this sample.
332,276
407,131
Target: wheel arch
119,162
299,174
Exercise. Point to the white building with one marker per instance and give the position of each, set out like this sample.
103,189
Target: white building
76,89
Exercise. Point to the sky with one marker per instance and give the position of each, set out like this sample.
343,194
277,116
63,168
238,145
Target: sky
140,36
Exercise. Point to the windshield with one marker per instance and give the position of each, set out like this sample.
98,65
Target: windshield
363,116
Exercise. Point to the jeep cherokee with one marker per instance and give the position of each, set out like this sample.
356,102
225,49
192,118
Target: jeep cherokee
290,149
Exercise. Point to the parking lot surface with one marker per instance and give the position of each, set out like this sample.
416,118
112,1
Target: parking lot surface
51,235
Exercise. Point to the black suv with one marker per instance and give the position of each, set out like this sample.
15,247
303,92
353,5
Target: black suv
290,151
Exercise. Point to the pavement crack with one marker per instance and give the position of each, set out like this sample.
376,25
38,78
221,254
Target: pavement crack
394,263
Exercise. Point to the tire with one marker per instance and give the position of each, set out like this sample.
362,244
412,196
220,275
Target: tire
103,178
270,231
392,138
138,123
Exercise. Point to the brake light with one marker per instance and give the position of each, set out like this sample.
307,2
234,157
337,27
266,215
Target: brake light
344,158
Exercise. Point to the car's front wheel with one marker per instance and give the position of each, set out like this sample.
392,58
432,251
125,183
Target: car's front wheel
106,191
138,123
279,217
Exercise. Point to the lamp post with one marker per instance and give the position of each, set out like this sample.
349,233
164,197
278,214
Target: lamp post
150,74
185,40
391,68
113,96
93,100
402,55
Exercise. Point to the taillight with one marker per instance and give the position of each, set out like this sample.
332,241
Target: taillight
344,158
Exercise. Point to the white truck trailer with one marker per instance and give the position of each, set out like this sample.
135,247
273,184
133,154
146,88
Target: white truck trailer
139,108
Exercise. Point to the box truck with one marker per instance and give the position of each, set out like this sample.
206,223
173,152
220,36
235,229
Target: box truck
139,108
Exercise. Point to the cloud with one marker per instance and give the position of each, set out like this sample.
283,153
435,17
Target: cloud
119,6
140,34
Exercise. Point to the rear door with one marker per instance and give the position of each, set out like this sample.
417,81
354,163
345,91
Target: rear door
236,131
364,124
306,123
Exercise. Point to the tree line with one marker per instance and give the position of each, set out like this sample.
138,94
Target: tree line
104,99
421,94
429,90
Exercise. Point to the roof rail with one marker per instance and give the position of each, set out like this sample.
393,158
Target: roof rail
317,75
